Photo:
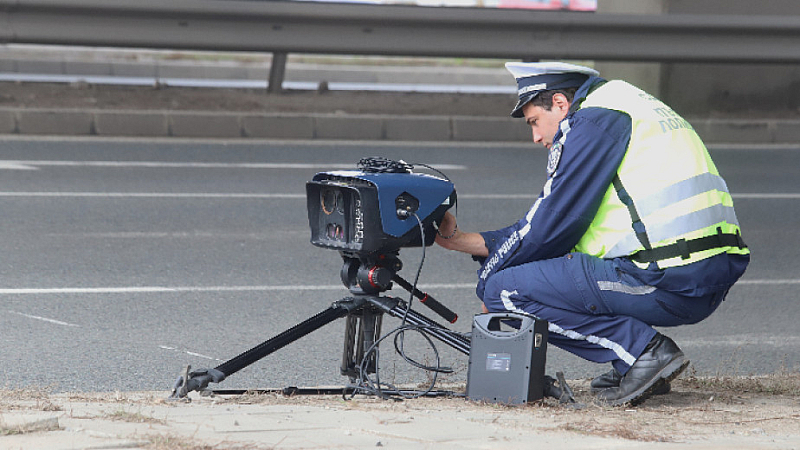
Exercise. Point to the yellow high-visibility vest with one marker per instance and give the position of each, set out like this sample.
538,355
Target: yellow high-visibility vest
667,203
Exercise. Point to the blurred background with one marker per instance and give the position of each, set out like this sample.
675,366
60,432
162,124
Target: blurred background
709,58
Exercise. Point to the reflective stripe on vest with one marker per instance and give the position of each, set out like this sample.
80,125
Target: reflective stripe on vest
667,173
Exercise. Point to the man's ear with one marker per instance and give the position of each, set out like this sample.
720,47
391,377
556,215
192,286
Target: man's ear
560,102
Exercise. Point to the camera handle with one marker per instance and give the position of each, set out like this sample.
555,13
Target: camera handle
427,300
373,274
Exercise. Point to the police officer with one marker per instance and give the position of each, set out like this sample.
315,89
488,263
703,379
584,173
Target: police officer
634,228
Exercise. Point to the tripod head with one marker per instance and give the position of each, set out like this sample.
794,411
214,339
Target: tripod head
370,274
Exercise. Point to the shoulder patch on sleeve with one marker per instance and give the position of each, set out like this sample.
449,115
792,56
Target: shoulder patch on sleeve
553,157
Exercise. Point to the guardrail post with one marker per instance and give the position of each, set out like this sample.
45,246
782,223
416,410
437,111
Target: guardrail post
276,72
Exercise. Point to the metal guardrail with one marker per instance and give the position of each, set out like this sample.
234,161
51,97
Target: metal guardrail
290,27
282,27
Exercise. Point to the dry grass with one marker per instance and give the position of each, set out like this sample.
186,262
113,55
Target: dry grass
181,443
134,417
697,406
32,398
614,430
49,424
781,383
27,393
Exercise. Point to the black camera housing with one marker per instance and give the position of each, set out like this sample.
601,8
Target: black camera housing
360,213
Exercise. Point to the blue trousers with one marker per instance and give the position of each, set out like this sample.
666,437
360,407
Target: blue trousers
595,309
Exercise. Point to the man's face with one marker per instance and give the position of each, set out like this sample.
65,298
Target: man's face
544,123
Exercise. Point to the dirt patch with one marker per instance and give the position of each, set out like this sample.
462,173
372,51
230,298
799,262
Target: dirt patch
702,413
697,408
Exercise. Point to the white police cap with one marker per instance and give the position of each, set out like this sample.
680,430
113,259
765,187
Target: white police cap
533,78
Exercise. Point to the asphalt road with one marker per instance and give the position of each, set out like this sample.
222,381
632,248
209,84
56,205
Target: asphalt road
125,260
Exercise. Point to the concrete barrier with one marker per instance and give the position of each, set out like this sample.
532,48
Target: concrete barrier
206,124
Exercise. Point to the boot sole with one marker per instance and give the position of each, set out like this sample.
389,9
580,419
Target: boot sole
664,376
663,389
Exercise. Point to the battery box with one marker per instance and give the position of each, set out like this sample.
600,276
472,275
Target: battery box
507,358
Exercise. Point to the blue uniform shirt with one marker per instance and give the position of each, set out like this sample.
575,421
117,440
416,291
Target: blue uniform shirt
594,142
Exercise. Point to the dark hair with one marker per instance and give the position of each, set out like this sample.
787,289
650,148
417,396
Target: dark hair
545,98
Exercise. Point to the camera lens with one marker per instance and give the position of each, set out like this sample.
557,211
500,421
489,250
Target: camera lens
328,199
334,232
340,202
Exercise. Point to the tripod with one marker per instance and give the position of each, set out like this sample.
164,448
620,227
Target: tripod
366,277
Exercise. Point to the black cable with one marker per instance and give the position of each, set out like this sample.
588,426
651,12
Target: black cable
377,164
367,386
442,174
419,267
400,333
431,168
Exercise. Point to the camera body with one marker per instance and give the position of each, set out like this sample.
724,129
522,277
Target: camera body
361,213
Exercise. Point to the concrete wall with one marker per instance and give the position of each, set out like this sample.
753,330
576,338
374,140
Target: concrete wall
644,75
712,89
772,89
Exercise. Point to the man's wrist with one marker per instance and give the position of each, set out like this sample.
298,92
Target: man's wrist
451,235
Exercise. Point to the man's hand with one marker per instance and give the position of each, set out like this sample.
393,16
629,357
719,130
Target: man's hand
451,238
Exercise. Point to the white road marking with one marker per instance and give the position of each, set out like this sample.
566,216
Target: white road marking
770,282
772,196
268,235
171,289
44,319
739,340
255,84
153,195
244,195
497,196
753,146
190,353
371,145
35,164
276,288
162,289
14,165
755,195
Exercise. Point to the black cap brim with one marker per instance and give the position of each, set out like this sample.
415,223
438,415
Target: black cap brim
517,111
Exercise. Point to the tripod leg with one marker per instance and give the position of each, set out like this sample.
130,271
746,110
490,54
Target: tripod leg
362,329
348,354
198,380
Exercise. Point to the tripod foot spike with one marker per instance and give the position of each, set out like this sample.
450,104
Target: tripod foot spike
194,381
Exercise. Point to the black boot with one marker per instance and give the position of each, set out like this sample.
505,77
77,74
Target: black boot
612,378
661,362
